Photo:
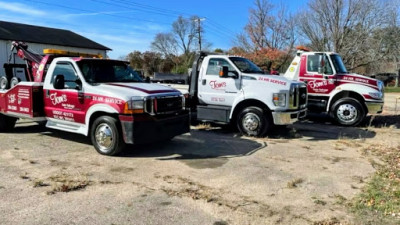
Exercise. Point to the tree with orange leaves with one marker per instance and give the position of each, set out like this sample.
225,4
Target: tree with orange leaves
268,37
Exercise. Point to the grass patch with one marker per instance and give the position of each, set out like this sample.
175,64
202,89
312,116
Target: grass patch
380,198
294,183
392,89
39,183
319,202
65,182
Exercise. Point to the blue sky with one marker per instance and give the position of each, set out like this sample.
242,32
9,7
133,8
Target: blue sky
128,25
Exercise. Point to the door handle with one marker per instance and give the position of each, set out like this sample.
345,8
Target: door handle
203,82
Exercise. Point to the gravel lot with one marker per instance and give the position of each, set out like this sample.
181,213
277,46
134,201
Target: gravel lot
297,175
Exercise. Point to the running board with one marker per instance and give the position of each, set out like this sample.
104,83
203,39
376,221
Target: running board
66,126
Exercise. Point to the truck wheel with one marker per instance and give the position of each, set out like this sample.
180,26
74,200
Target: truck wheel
3,83
7,123
348,112
106,137
14,81
253,121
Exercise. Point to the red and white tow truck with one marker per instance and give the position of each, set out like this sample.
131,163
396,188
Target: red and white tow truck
347,97
100,98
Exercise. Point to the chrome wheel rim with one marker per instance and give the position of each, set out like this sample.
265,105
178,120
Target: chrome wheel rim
347,113
104,137
251,122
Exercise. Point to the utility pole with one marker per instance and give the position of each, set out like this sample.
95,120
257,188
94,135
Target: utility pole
198,20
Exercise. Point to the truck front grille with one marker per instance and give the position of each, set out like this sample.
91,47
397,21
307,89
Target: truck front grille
298,96
163,105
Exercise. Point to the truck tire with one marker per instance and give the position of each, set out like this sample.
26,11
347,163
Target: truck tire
4,83
253,121
7,123
14,81
106,136
348,112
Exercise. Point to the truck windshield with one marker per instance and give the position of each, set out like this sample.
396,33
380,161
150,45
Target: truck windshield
103,71
245,65
338,64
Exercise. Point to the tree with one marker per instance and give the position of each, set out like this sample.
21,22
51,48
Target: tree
179,44
165,43
348,27
151,62
184,31
270,29
135,60
218,50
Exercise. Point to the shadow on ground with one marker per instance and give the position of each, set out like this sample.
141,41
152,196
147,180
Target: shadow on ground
200,144
23,127
380,121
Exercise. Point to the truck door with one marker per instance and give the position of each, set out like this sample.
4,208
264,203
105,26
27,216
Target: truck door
216,90
319,74
66,104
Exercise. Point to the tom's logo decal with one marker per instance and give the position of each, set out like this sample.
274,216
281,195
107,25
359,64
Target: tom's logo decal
57,99
217,85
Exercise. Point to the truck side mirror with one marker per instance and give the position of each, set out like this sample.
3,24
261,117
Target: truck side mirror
321,70
321,66
223,72
59,82
78,84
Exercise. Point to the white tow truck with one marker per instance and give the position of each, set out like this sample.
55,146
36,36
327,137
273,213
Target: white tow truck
232,89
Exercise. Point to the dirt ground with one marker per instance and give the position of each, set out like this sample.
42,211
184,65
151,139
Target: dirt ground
301,174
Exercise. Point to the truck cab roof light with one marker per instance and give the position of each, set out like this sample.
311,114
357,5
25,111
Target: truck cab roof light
69,53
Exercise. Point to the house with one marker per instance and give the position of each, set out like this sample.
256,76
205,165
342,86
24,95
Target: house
39,38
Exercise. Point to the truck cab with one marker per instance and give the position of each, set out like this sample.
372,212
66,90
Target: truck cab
347,97
232,89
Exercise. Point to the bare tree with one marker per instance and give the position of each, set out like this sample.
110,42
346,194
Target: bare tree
185,32
270,28
165,43
348,27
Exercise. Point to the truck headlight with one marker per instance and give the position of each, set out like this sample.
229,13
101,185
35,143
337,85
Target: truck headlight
279,99
376,95
380,86
134,106
185,98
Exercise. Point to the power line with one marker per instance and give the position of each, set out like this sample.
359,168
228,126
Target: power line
217,25
217,32
91,11
125,6
215,28
175,12
166,12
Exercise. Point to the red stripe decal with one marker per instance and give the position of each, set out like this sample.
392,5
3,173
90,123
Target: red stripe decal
143,90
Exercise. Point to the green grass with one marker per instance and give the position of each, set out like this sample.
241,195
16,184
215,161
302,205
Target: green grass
392,89
380,198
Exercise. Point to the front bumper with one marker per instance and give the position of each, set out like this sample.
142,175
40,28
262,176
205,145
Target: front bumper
374,107
284,118
145,128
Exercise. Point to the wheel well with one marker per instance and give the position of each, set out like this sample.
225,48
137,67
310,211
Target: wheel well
96,115
246,103
350,94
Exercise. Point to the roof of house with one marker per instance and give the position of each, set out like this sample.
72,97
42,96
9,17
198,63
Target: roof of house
45,35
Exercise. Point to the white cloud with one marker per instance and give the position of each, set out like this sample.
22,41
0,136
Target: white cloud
121,45
21,8
96,13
